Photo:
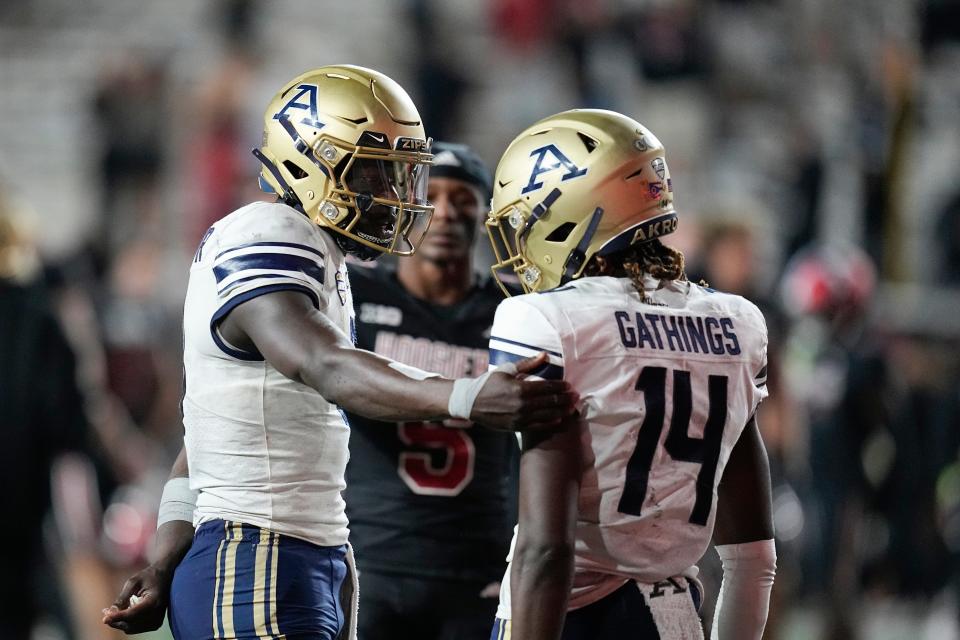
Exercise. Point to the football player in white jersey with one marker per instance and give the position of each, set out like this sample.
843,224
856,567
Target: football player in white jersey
269,362
665,455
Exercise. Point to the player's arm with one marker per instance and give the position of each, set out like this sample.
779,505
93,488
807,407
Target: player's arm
743,536
541,572
151,586
305,346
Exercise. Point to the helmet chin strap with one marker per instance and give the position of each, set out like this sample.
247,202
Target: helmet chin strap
287,194
540,210
356,249
353,247
579,255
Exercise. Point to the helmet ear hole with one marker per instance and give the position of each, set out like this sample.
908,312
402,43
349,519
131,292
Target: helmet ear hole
561,233
295,170
587,141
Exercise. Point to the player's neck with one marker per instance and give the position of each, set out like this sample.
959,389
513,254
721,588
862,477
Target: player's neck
445,283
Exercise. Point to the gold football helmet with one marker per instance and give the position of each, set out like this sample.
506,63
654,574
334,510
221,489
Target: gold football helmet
346,145
18,257
574,185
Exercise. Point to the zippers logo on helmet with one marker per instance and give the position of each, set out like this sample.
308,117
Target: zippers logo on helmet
413,144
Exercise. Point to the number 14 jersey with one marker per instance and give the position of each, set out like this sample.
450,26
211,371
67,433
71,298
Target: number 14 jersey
667,388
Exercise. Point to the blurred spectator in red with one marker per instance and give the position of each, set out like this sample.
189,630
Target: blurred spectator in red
218,138
218,147
836,372
524,24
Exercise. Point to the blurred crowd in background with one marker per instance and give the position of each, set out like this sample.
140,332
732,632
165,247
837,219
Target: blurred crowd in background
815,153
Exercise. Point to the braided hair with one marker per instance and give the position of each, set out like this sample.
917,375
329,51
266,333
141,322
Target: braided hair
649,258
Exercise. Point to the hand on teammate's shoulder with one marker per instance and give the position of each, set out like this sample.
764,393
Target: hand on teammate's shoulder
513,402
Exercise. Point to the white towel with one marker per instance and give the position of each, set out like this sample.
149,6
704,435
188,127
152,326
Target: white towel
672,609
350,598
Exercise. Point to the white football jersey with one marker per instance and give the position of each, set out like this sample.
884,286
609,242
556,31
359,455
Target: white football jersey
667,388
263,449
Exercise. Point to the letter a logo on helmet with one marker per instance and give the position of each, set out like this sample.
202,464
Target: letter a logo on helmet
310,91
540,167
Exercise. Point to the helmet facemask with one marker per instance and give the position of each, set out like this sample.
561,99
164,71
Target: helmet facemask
507,235
510,230
379,200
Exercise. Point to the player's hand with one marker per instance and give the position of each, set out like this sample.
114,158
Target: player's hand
512,403
142,603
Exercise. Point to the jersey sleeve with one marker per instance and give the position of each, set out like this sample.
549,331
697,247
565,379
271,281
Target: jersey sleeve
268,250
521,331
271,248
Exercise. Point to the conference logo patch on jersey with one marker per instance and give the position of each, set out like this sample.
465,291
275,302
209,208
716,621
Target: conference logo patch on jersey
304,101
557,160
343,286
198,256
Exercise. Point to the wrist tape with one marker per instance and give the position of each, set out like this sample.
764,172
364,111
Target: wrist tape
466,390
177,502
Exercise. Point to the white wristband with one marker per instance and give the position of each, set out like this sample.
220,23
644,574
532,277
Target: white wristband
177,502
466,390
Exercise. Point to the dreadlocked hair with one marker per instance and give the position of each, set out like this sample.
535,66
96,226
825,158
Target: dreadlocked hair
649,258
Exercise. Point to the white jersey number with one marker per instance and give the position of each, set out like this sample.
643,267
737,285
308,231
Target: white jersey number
704,451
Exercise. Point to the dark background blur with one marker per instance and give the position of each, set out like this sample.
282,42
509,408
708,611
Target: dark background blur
815,153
